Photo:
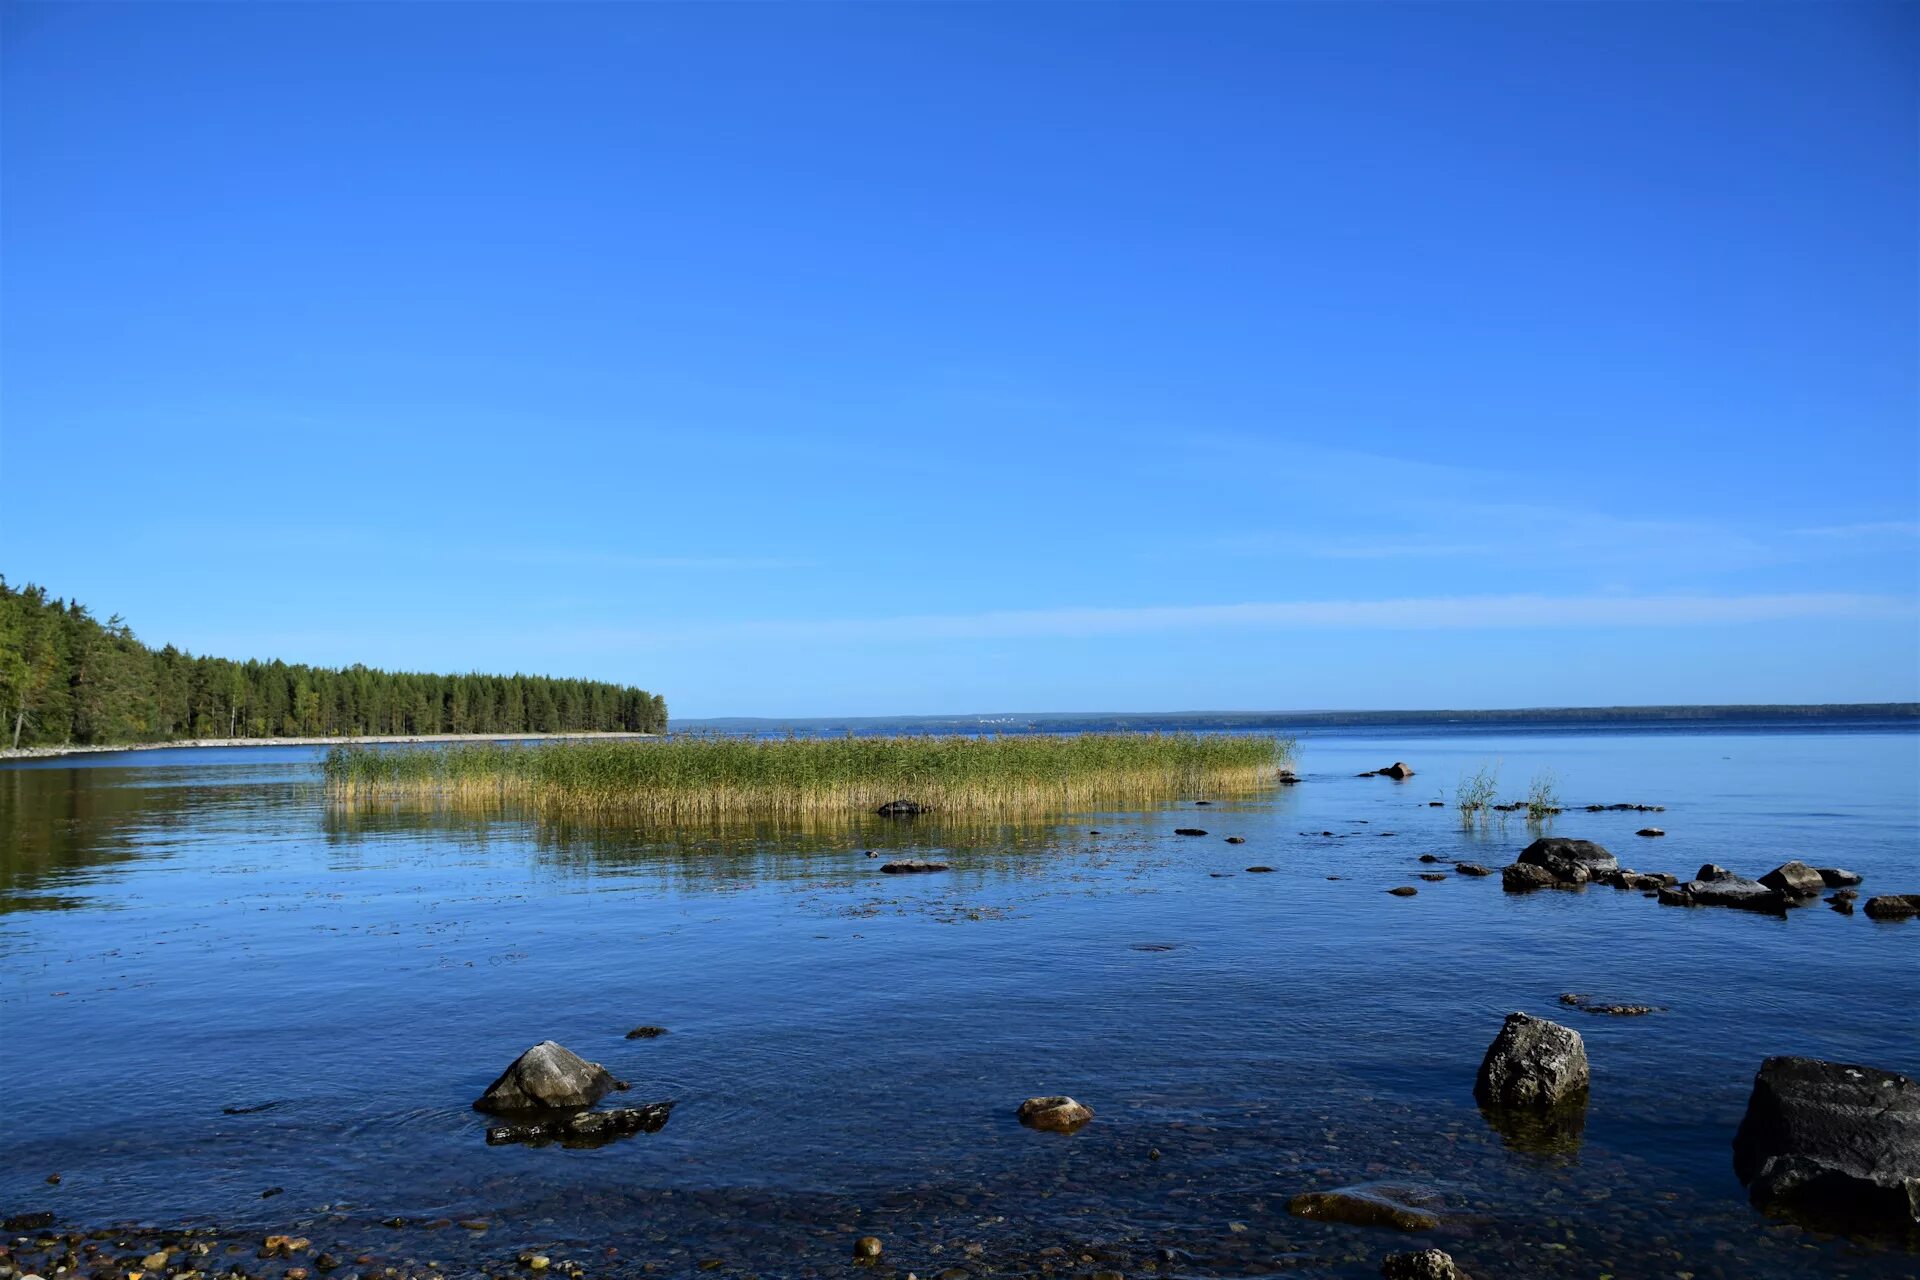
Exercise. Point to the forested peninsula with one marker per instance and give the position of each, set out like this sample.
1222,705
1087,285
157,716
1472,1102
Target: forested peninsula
66,678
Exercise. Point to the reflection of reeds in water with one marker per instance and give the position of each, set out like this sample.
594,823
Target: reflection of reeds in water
707,777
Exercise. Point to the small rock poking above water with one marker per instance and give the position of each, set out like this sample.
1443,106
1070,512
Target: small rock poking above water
1236,839
1471,869
583,1128
867,1248
1258,870
912,867
1832,1140
1057,1113
1399,771
1403,891
547,1075
1533,1064
900,809
1893,906
1715,886
1434,877
1188,831
646,1033
1371,1204
1428,1264
1652,833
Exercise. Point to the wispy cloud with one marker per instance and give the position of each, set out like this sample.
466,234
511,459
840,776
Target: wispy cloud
1453,613
1866,529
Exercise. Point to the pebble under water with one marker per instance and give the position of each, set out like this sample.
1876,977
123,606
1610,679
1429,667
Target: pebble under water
228,1008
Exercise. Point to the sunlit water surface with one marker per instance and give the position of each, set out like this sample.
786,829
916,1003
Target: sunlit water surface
187,932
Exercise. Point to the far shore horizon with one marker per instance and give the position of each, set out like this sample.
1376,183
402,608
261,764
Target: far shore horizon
1072,721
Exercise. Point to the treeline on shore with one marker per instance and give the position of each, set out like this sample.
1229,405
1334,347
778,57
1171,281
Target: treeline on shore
68,678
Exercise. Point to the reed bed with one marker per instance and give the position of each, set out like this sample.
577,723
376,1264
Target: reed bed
705,777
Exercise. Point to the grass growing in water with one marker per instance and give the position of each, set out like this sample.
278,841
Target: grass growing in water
711,776
1475,795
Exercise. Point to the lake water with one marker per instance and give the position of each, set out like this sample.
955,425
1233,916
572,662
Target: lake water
188,932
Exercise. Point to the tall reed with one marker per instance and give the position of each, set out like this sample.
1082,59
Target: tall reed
708,776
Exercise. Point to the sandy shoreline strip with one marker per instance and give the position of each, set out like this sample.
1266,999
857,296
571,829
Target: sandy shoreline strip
44,753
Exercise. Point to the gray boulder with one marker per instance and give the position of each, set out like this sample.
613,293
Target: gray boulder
1837,877
1428,1264
1728,890
547,1075
1533,1064
1831,1140
1524,877
1794,879
1056,1112
1894,906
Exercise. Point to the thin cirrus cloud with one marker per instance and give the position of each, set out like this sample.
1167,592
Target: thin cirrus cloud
1499,612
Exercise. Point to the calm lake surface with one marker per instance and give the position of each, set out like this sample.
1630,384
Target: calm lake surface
192,931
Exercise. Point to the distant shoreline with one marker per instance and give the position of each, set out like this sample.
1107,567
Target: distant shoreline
45,753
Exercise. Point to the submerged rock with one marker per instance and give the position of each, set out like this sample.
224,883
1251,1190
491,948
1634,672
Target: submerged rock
900,809
1372,1204
583,1128
1831,1140
1428,1264
912,866
1894,906
1586,1004
547,1075
1794,880
1533,1064
1727,890
1056,1112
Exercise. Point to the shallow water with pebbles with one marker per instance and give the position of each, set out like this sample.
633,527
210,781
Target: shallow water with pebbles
242,991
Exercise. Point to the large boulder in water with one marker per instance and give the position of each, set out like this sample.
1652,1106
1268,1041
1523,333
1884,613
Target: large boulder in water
1831,1140
1576,861
1725,889
1795,880
1533,1064
547,1076
1894,906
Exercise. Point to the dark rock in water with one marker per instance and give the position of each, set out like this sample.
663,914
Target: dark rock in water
1399,771
1436,804
1203,802
867,1248
1795,880
1428,1264
1727,891
1533,1064
1057,1113
1832,1141
1429,857
1836,877
253,1109
1369,774
646,1033
1894,906
1841,900
1373,1204
1433,877
547,1075
1236,839
1587,1005
1523,877
1288,777
900,809
1188,831
1403,891
1471,869
27,1222
1573,861
912,866
1650,832
1258,870
582,1128
1712,871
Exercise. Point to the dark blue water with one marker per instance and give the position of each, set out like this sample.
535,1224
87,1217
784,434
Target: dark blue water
190,931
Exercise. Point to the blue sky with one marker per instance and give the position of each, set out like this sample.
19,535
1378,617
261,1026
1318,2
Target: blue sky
870,359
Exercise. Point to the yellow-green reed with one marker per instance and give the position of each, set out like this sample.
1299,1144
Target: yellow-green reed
707,776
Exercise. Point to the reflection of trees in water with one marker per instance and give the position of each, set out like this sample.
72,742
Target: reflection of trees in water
59,827
724,850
